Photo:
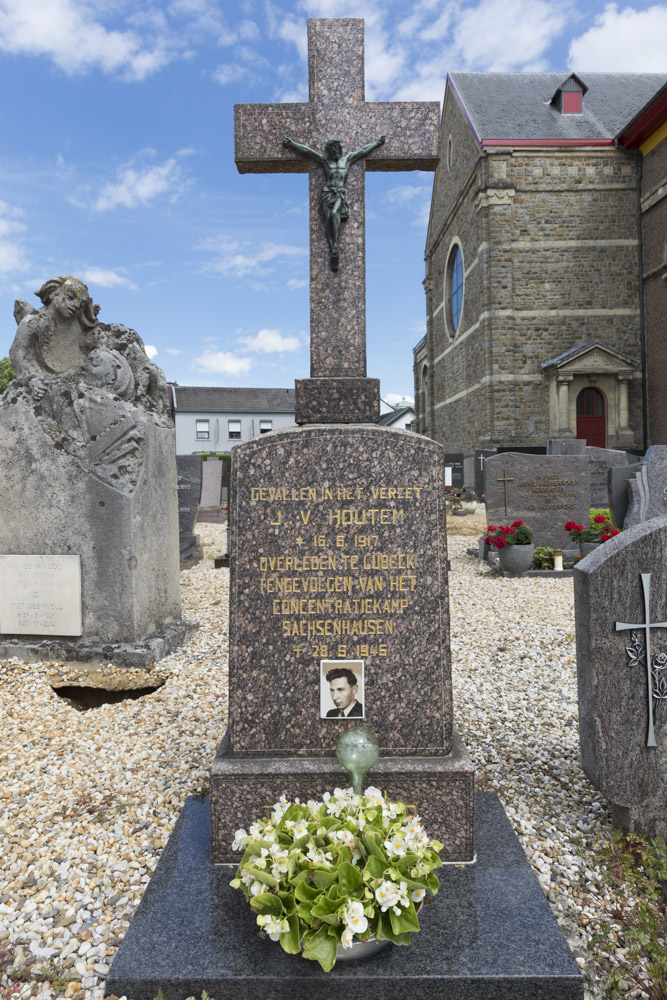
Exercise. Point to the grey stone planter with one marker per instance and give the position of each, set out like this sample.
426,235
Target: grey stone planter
516,558
460,513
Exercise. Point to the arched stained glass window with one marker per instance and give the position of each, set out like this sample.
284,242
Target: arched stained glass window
454,288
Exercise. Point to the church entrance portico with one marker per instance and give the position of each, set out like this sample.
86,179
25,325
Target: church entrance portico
589,388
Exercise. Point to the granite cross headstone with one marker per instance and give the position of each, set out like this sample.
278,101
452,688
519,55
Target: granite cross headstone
338,546
620,593
337,391
545,491
189,480
481,454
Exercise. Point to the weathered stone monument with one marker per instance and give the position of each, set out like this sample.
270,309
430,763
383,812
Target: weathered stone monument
339,561
89,561
621,619
545,491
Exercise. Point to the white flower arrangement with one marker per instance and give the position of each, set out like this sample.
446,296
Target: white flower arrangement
322,874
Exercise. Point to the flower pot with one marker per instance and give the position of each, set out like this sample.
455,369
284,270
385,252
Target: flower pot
585,548
460,512
516,558
359,949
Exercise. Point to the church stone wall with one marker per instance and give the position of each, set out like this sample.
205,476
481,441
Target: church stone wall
654,205
550,250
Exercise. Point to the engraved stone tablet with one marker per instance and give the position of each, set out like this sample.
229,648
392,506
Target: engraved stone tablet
40,595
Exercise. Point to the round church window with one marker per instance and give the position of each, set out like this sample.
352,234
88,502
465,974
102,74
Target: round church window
454,288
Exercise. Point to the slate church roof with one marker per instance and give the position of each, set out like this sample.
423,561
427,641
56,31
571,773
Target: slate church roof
235,398
517,107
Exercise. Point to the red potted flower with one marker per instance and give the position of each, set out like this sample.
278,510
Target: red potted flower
514,544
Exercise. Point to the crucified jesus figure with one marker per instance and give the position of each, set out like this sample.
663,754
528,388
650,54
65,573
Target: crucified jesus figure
333,200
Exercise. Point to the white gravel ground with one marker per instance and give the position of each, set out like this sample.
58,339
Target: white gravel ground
88,799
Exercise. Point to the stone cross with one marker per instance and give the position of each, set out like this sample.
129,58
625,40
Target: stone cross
505,479
337,109
646,627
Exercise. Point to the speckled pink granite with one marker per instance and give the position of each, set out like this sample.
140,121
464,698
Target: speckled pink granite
337,401
338,540
337,109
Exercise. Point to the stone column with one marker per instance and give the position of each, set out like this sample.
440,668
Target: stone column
624,435
564,429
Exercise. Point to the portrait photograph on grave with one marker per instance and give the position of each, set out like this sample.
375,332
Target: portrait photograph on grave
341,689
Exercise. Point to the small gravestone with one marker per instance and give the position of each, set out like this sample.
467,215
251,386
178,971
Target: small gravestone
621,621
545,491
454,461
87,444
647,489
480,455
600,459
189,475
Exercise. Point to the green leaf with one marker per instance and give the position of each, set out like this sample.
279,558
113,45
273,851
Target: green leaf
321,947
410,882
324,906
266,902
304,911
304,892
405,922
349,879
375,867
385,932
372,842
291,940
265,877
289,904
324,879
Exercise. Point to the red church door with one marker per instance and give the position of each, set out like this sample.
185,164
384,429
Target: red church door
591,417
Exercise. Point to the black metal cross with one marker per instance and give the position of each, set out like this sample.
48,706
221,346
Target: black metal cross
646,626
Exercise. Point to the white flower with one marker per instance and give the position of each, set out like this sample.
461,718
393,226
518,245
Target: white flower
388,894
354,917
418,894
396,847
256,888
272,928
373,797
300,829
239,838
247,877
344,837
256,831
319,857
346,938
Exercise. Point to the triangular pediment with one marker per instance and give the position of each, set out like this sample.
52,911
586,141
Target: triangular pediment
592,357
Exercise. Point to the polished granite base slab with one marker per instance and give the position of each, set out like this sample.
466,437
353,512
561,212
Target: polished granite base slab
489,934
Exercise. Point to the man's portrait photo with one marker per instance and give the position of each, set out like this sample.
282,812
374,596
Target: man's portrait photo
341,689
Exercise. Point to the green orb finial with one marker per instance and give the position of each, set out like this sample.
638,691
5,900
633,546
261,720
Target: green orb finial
357,750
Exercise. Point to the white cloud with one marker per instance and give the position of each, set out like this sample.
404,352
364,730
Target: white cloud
137,185
416,198
107,278
150,350
627,41
297,282
231,257
67,32
12,251
270,341
499,35
222,363
229,73
173,350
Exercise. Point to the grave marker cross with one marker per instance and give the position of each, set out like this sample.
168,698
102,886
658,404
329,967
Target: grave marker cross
337,109
646,627
505,479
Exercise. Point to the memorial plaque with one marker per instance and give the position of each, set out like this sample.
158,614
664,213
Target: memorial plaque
40,595
545,491
188,486
338,558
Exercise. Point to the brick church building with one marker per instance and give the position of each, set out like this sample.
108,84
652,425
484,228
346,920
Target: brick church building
536,326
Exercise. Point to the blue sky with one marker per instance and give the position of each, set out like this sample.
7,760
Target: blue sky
117,165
